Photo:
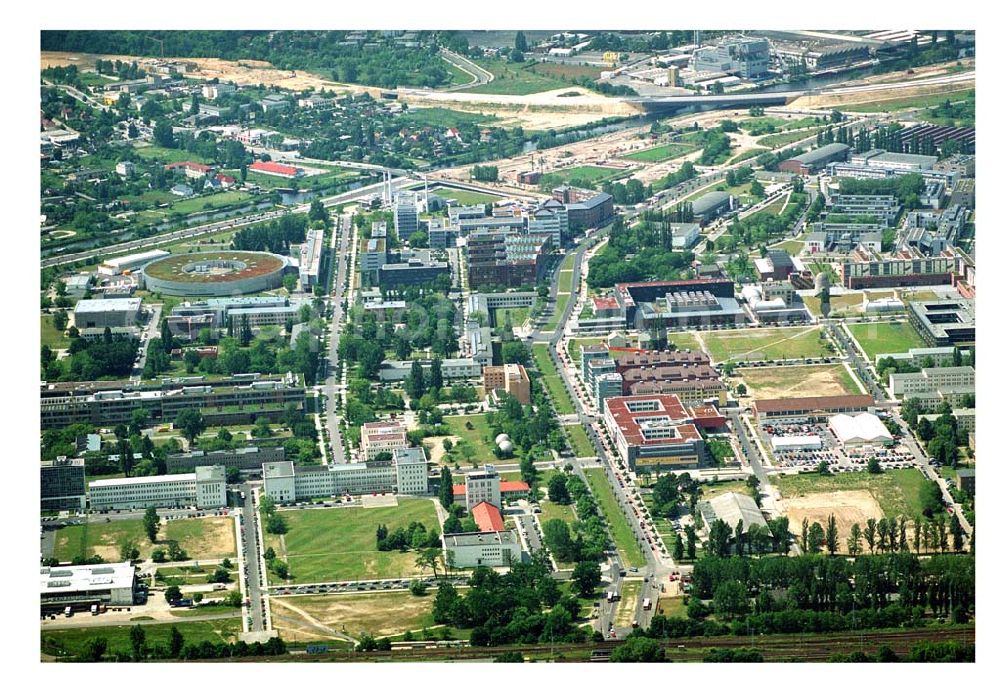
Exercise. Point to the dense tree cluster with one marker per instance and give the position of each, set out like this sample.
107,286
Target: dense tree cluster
102,358
637,254
414,536
275,236
906,188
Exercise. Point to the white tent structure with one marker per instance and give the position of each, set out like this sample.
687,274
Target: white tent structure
859,430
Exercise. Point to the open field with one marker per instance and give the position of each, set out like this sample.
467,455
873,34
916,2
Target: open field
618,526
843,305
323,545
766,344
684,340
466,197
629,604
444,117
309,618
204,538
478,437
516,316
561,401
658,154
900,104
74,641
795,381
587,174
514,78
169,155
848,506
671,607
51,337
895,490
578,440
773,141
885,338
792,247
566,280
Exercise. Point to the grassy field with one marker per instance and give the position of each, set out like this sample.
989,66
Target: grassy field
513,78
922,102
618,525
517,316
74,641
381,614
339,544
658,154
561,401
588,174
478,436
773,141
210,202
204,538
466,197
794,381
579,441
629,604
844,305
566,280
895,490
55,339
792,247
562,299
765,344
885,338
167,156
746,155
443,117
551,510
825,267
684,340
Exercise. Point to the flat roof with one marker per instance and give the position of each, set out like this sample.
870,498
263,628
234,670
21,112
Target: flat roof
807,403
143,480
59,580
108,304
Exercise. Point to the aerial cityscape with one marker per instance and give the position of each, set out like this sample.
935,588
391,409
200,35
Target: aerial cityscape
508,346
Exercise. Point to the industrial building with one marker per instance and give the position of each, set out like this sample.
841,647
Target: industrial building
712,204
737,510
119,265
810,408
781,444
205,488
107,313
405,474
109,584
658,430
744,57
812,162
64,485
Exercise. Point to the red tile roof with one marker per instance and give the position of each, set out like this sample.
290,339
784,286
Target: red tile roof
276,168
187,164
605,303
812,403
487,517
669,407
458,489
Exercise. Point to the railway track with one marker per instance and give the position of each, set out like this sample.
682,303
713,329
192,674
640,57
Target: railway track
774,648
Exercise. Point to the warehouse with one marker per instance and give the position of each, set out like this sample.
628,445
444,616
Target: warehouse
112,584
117,265
814,161
810,408
737,510
855,431
711,204
106,313
781,444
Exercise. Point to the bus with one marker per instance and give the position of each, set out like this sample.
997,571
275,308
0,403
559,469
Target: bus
646,604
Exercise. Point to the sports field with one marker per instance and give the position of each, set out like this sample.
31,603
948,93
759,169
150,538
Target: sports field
885,338
628,547
311,618
799,380
204,538
658,154
68,642
561,401
324,545
766,344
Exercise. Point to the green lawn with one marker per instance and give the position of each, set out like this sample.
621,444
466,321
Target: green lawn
923,102
579,441
792,247
339,544
443,117
773,141
845,305
517,316
561,401
68,642
746,155
476,432
896,490
684,340
55,339
765,344
618,525
561,300
885,338
168,156
658,154
204,538
801,380
466,197
513,78
566,280
586,174
827,268
210,202
550,510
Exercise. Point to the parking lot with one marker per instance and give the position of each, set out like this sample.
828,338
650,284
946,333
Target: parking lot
839,458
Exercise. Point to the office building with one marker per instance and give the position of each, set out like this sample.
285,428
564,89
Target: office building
109,584
631,295
479,343
247,459
509,490
482,485
416,271
382,436
909,385
964,194
605,386
906,267
684,235
944,323
441,235
188,318
64,485
511,378
507,260
658,430
964,417
688,309
491,549
712,204
106,313
311,260
405,215
917,356
204,489
452,369
406,474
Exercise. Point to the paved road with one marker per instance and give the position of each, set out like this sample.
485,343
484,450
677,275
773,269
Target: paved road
335,297
251,552
481,75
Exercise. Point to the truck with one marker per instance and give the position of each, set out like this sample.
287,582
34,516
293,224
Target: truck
647,604
68,612
93,609
611,597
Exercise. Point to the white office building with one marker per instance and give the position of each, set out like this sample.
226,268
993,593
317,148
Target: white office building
111,584
471,550
119,312
205,489
482,485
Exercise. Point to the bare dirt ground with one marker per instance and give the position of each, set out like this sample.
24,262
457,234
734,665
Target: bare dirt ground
765,383
436,444
873,96
307,618
848,506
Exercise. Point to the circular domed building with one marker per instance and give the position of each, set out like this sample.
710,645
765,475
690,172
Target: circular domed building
215,274
501,438
506,447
